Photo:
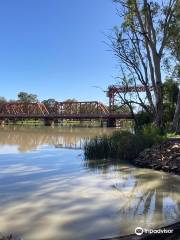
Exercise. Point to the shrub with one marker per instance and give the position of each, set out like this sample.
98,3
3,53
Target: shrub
122,144
143,118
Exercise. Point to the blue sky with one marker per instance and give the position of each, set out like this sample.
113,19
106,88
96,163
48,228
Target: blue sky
56,49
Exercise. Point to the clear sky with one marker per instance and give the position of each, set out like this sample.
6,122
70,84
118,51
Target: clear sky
56,49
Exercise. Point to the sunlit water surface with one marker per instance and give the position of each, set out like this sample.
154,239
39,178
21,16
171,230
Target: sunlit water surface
48,191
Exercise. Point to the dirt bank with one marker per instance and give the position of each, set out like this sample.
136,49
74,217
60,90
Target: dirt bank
164,156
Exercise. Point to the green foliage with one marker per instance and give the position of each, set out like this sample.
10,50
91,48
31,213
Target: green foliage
71,100
169,111
173,135
173,42
121,109
171,90
28,98
122,144
2,100
49,103
151,135
143,118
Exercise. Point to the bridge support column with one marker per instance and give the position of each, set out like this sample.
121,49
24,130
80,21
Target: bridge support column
111,122
49,122
2,122
101,122
56,122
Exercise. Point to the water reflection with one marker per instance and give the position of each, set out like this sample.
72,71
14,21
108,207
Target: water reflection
150,197
52,193
30,138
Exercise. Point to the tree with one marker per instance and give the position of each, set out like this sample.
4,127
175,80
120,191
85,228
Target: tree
173,42
170,87
174,46
171,90
2,100
176,119
26,97
139,43
143,118
71,100
50,104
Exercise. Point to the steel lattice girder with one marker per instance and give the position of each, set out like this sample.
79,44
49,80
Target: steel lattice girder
21,108
76,108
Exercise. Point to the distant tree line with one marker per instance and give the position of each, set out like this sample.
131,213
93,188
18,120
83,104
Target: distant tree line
33,98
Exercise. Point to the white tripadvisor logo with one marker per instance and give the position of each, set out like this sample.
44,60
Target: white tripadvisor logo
138,231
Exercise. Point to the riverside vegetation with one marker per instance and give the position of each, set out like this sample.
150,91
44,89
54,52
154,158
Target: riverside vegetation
123,144
146,148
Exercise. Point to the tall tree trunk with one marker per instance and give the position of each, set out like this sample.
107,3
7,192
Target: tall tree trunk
159,106
159,91
176,119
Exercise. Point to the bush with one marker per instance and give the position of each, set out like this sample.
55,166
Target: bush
122,145
143,118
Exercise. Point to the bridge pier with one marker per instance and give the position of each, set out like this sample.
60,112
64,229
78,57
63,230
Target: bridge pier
2,122
111,122
102,123
49,122
56,122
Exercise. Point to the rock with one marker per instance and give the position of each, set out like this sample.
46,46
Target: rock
174,168
166,168
157,167
165,156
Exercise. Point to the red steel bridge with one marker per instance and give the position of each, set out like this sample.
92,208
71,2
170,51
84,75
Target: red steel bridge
60,110
15,111
115,90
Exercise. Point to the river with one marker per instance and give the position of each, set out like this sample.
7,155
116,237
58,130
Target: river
48,191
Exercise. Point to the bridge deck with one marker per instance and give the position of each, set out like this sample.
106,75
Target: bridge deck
77,117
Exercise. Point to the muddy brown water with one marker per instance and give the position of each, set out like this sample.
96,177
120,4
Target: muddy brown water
48,191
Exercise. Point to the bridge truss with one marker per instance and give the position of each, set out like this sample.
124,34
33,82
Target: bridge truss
115,90
59,109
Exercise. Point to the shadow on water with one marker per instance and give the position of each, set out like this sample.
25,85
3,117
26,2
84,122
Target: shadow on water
53,193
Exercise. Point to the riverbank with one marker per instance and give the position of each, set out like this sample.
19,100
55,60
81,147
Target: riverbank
146,148
122,145
164,156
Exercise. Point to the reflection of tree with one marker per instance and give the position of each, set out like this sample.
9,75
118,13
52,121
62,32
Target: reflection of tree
29,138
148,197
151,196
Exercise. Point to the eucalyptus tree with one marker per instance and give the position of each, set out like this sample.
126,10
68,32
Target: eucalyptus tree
176,119
140,44
2,100
26,97
174,46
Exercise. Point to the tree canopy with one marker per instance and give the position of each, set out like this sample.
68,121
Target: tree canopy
26,97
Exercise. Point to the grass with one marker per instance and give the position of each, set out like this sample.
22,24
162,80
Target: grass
122,144
65,123
172,135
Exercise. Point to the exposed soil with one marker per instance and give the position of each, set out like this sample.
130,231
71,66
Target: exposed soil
164,156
